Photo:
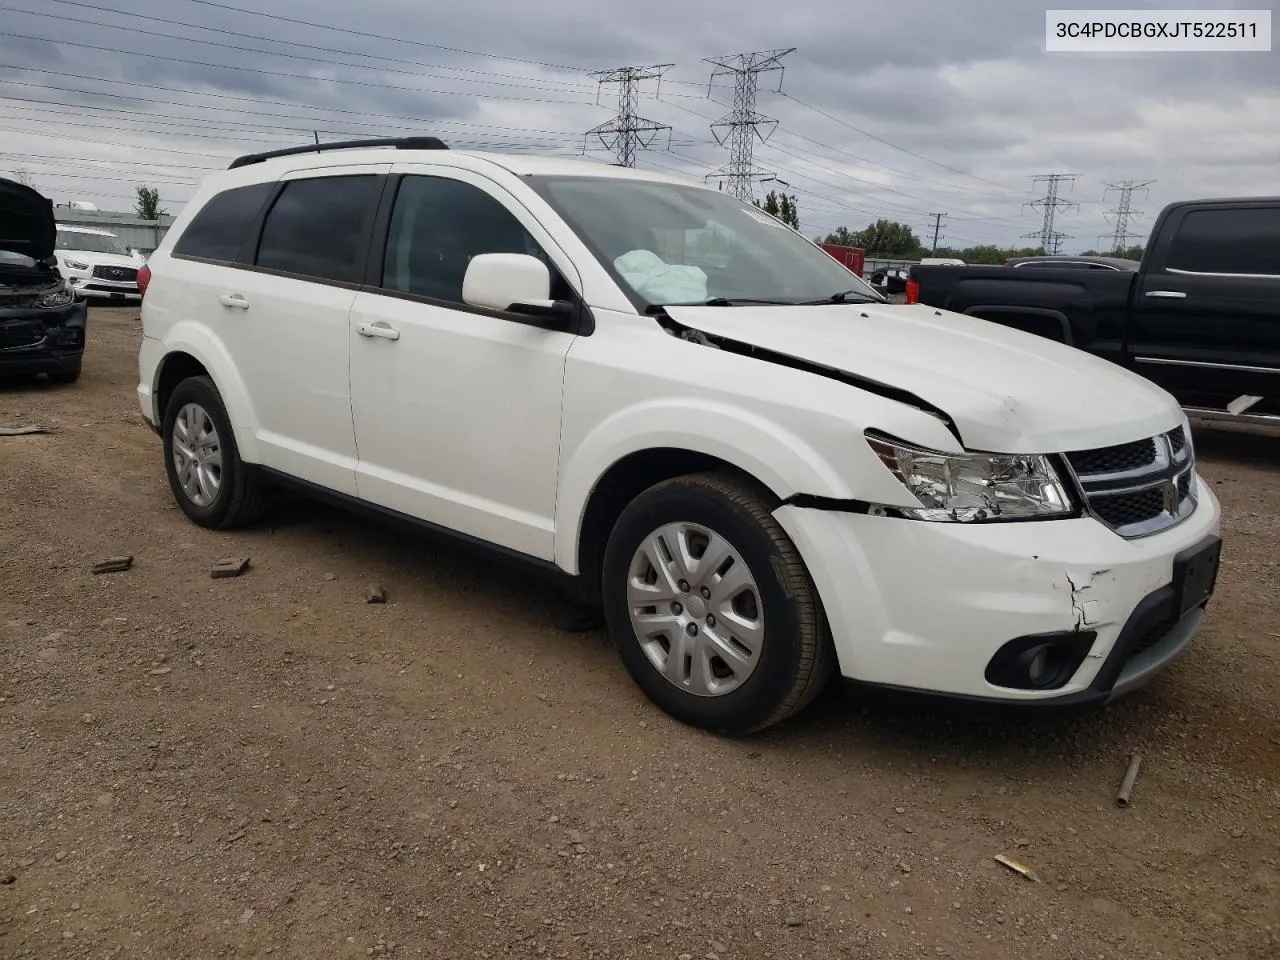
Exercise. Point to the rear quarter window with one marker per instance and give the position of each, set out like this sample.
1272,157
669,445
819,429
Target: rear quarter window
221,227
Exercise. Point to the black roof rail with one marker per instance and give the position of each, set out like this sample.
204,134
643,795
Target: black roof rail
400,143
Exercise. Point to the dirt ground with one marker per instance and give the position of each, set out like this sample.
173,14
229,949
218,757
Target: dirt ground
270,766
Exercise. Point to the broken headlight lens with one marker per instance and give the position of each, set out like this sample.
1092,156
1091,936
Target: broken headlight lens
55,298
968,487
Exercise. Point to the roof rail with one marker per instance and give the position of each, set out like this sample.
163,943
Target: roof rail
400,143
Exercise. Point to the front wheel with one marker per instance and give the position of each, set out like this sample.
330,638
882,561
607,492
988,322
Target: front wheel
713,611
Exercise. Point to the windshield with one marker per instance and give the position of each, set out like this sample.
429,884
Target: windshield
672,244
91,242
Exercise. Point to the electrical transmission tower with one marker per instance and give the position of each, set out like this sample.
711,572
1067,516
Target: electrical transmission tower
628,131
1050,203
744,123
937,226
1123,213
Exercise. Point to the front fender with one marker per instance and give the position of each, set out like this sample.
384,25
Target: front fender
193,339
768,451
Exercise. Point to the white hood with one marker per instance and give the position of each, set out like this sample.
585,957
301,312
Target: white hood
1007,391
100,259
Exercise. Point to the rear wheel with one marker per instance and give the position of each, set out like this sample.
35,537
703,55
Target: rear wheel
713,611
207,476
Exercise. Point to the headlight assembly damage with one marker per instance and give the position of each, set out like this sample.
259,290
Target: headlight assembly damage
974,487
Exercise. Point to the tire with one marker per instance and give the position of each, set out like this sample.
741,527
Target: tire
65,376
237,498
746,690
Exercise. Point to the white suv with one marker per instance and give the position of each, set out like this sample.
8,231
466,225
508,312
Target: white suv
686,412
98,264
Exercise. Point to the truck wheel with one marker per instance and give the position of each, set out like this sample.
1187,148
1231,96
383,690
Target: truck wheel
206,474
711,607
65,376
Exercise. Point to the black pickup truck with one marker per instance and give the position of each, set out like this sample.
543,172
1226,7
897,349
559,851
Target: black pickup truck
1200,316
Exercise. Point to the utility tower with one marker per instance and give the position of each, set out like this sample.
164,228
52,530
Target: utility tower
1050,203
937,226
740,127
627,131
1123,213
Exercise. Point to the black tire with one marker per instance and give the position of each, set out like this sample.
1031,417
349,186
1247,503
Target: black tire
797,657
241,498
65,376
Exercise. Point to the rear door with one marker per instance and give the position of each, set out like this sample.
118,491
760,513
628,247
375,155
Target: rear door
1206,313
284,318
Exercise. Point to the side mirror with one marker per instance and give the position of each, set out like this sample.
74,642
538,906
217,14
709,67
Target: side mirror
515,282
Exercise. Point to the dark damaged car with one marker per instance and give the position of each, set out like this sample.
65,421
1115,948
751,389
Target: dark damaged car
42,321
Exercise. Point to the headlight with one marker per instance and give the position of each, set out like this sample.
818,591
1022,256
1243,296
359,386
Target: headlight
76,265
967,487
55,298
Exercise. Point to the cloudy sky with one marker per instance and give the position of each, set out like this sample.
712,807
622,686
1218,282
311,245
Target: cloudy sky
890,110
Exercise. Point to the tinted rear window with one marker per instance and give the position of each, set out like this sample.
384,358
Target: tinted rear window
1228,241
318,227
222,225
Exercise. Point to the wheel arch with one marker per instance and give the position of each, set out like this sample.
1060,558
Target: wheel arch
188,356
622,482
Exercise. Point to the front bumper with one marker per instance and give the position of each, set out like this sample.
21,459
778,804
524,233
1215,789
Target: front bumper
42,340
123,291
927,606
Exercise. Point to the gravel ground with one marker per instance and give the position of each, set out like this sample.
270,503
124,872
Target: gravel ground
268,765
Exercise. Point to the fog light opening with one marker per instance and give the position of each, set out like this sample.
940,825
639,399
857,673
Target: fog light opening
1043,662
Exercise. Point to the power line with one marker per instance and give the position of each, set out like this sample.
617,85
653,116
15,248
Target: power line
423,68
1050,203
627,131
379,36
937,226
253,100
878,139
285,74
1124,212
743,123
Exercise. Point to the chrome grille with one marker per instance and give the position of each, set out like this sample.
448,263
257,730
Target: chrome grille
1138,488
119,274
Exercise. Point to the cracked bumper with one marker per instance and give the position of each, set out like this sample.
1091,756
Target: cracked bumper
925,606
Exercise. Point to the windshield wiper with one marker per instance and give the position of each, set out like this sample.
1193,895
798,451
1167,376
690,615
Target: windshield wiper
745,301
842,297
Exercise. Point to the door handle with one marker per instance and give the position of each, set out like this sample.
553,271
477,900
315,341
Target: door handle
1166,294
234,300
379,328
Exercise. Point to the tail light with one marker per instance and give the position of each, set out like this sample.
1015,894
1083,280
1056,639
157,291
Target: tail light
144,278
913,291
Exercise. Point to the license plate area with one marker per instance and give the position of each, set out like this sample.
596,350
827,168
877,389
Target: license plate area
1195,573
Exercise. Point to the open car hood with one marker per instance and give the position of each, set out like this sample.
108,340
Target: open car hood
1006,391
26,221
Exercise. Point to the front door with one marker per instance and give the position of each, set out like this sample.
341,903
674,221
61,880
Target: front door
1206,312
457,409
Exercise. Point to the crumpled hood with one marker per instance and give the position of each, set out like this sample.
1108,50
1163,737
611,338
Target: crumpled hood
1005,390
26,221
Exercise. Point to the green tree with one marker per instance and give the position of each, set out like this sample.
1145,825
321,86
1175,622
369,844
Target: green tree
884,238
147,206
788,211
842,236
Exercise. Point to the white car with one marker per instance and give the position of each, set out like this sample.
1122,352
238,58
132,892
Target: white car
98,264
761,474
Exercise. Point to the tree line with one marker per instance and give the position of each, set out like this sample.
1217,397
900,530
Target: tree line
890,240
